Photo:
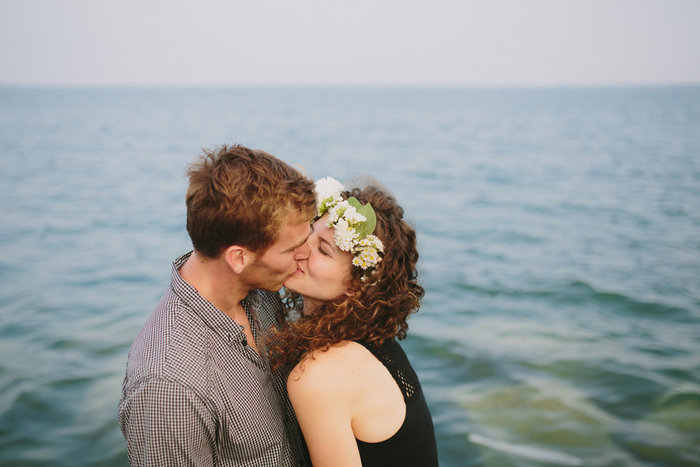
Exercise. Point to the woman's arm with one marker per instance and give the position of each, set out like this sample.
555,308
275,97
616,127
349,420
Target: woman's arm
321,391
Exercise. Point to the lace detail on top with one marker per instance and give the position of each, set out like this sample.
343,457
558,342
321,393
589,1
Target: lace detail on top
394,359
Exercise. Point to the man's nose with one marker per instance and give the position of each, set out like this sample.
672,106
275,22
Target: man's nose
302,252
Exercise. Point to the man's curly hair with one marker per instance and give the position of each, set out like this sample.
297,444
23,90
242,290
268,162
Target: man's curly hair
379,307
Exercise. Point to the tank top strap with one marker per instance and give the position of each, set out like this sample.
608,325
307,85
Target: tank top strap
392,356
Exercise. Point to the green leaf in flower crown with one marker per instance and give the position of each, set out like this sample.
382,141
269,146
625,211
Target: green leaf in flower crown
352,201
366,228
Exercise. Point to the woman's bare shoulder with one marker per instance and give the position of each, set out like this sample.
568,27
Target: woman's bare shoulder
330,369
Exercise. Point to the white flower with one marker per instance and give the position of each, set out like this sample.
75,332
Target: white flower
371,242
344,236
377,243
328,188
327,194
349,212
327,204
336,212
367,259
353,217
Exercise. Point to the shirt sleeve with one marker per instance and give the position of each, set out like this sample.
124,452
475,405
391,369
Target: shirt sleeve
165,423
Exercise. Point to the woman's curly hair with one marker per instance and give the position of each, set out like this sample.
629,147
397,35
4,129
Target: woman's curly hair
379,307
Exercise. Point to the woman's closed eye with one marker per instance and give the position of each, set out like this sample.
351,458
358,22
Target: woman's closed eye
319,246
316,243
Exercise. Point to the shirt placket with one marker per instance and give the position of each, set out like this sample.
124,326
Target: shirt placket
257,358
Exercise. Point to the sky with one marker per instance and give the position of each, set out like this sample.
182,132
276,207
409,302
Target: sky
408,43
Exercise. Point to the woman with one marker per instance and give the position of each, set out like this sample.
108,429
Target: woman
356,397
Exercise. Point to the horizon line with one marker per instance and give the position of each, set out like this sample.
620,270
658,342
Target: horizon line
351,86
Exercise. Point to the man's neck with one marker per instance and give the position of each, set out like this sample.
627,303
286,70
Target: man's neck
214,281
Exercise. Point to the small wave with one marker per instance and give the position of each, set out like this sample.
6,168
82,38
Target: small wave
584,292
686,395
539,454
581,293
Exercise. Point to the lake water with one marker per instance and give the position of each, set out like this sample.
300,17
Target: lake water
559,231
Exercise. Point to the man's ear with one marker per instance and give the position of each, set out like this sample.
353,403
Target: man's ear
238,258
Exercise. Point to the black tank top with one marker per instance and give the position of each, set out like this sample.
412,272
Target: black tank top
414,443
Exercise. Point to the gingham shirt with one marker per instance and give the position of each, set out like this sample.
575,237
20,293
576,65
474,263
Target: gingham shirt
196,394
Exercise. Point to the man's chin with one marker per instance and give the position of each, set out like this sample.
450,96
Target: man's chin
289,280
276,287
272,288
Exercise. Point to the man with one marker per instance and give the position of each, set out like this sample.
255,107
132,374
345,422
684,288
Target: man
198,388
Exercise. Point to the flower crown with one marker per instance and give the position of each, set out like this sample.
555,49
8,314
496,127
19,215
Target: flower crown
353,224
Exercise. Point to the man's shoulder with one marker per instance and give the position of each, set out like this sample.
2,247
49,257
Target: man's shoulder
171,344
